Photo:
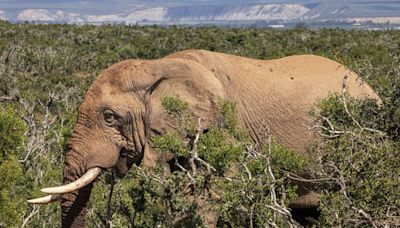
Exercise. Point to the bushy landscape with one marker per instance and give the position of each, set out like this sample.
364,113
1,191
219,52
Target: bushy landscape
45,71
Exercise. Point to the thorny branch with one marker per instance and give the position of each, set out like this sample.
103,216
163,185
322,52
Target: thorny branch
343,189
193,151
295,177
344,100
331,130
338,176
276,206
185,170
37,143
8,98
273,204
34,211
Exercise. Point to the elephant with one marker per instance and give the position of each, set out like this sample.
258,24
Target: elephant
122,110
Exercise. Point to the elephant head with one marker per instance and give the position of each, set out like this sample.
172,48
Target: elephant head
120,112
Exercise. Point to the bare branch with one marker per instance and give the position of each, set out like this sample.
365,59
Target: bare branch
153,177
251,214
293,176
247,170
193,152
185,170
208,166
7,98
34,211
343,189
194,155
276,206
344,100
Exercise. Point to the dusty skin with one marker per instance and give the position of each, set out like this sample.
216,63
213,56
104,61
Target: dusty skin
122,109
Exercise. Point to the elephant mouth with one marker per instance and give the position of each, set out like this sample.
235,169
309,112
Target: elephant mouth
126,159
54,193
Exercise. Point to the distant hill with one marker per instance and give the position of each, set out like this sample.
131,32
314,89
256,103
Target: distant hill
193,12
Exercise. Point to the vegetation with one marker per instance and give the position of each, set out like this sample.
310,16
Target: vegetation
361,163
46,69
12,140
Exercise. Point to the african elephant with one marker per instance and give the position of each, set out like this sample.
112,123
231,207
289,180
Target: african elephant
122,110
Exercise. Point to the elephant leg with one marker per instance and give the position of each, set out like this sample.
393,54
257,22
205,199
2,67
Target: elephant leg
305,209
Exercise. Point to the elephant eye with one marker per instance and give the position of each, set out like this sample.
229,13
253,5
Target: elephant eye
109,116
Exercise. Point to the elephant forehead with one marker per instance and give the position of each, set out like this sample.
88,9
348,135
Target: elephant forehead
110,82
105,95
108,85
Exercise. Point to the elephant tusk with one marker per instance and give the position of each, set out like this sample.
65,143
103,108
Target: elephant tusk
84,180
45,199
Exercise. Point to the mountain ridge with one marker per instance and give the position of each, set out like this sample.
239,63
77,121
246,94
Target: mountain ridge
204,12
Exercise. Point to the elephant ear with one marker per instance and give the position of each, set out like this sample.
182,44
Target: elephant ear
192,83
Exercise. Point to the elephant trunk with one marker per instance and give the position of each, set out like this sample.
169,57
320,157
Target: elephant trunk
74,204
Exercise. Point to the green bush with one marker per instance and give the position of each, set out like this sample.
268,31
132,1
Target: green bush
259,188
12,179
12,133
171,142
12,203
362,163
218,148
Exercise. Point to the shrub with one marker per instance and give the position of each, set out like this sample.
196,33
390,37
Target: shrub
12,139
362,164
12,133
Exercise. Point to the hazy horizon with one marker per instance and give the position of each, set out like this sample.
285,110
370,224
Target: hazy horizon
198,11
